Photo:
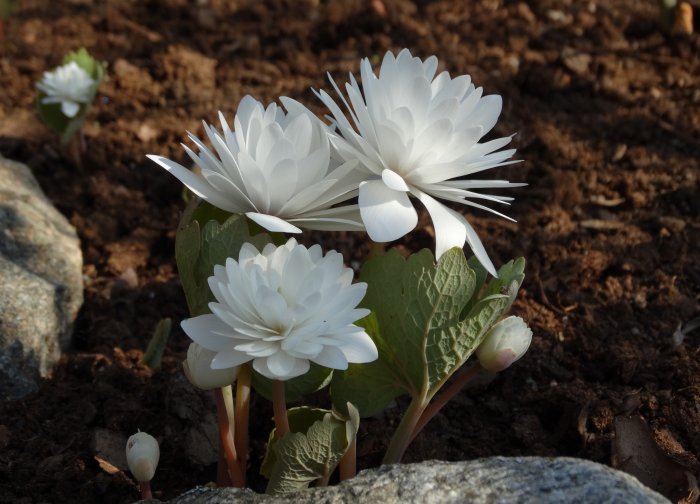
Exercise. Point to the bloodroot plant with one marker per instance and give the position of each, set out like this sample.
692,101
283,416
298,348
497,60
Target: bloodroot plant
65,95
270,314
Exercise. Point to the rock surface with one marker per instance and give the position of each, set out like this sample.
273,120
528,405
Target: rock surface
483,481
41,282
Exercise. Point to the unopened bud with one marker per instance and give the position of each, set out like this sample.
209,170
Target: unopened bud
199,372
504,344
142,455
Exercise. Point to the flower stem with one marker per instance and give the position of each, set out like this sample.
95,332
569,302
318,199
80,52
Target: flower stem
323,480
462,378
242,415
375,249
279,407
234,467
74,153
222,477
145,487
348,463
403,434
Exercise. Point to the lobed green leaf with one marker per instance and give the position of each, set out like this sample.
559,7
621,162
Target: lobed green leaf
427,320
199,246
311,450
414,300
370,387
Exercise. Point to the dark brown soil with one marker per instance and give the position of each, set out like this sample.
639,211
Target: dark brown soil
607,112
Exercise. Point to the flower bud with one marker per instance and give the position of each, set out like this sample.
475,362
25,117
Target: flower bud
504,344
142,455
199,372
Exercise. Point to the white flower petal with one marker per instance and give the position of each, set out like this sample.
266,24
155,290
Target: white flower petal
69,108
387,214
201,330
272,223
331,357
281,364
394,181
194,183
358,347
301,366
452,230
229,358
449,225
487,111
478,249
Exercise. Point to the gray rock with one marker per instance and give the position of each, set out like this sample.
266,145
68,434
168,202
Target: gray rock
534,480
41,281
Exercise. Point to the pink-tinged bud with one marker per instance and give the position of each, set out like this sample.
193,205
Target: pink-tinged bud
504,344
199,372
142,456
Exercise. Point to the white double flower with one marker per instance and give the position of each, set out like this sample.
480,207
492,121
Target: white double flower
282,309
69,85
415,133
274,167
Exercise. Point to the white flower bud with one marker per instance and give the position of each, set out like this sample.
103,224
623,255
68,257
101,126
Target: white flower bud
142,455
199,372
504,344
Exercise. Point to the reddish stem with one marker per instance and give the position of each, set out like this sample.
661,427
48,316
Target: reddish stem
234,467
462,378
242,415
279,407
222,477
348,463
145,487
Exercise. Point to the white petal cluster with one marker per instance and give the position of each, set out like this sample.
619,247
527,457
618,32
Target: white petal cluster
275,167
68,85
199,372
505,343
282,309
142,456
415,133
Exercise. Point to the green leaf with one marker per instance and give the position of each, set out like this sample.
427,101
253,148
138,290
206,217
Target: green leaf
510,276
200,246
153,355
92,67
295,389
481,275
410,298
300,419
311,450
449,348
370,387
7,7
415,301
